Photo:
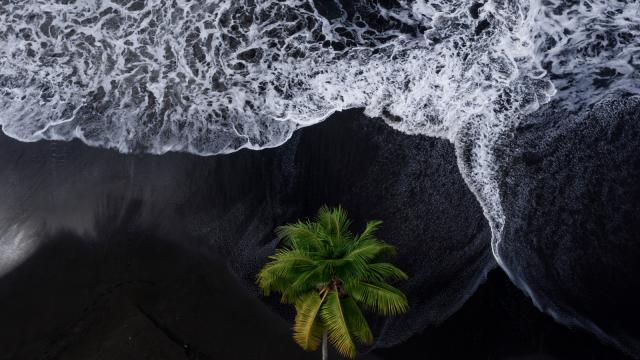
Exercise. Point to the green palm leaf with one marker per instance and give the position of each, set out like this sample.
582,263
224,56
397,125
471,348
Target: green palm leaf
305,282
307,328
301,235
335,224
333,318
369,250
273,278
384,271
371,227
356,322
284,267
379,297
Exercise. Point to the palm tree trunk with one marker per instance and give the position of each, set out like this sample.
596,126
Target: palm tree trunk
325,356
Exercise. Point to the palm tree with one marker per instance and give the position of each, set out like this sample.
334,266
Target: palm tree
330,275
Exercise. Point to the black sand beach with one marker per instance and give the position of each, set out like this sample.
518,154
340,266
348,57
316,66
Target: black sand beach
500,150
144,256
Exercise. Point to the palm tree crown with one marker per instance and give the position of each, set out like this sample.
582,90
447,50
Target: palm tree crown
330,274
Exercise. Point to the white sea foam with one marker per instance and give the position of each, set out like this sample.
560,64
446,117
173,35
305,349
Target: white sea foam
216,76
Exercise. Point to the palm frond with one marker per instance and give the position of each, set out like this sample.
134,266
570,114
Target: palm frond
356,322
335,223
301,235
369,230
384,271
379,297
306,282
323,254
284,266
307,328
333,319
351,270
369,250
